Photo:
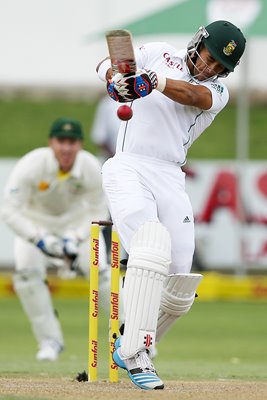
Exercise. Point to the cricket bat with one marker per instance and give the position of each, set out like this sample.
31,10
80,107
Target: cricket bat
121,51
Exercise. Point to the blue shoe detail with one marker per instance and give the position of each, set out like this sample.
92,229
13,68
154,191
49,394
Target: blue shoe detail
116,358
117,343
146,381
144,378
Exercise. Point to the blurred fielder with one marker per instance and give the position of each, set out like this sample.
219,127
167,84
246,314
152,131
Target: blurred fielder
50,199
175,96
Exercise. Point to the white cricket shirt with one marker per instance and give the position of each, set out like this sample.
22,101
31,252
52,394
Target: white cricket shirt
37,200
160,127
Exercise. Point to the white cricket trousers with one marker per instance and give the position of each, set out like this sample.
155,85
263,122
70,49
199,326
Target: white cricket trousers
141,189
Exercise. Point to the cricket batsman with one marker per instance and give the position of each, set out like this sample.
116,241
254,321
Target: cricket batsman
175,96
50,199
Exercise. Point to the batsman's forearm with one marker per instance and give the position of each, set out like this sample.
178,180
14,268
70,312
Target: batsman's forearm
179,91
188,94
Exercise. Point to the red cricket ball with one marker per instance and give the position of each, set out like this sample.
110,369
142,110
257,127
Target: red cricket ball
124,112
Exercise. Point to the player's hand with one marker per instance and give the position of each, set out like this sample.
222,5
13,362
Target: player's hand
125,87
114,94
50,245
136,86
71,248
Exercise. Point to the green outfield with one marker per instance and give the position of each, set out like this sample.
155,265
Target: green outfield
216,340
25,124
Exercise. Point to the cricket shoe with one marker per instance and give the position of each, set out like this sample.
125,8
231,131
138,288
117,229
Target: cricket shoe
140,369
117,343
49,350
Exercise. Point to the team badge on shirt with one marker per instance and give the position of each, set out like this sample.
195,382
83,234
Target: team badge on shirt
42,186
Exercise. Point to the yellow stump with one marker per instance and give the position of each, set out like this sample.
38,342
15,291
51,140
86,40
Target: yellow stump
93,303
114,303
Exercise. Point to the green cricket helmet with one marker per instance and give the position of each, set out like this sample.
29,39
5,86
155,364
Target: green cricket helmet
225,42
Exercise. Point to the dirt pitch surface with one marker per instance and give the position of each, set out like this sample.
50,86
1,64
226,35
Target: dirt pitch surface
67,389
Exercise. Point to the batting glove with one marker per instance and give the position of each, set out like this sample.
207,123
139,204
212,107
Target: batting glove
158,82
50,245
126,87
136,86
114,94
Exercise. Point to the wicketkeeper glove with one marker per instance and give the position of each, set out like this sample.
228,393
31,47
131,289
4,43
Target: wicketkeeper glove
71,248
50,245
125,88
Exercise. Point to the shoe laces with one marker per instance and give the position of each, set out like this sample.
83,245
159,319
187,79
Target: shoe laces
143,361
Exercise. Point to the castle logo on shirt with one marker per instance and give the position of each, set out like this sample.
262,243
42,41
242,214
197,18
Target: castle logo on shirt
171,63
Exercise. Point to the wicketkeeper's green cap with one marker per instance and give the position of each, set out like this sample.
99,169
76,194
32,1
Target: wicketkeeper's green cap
66,128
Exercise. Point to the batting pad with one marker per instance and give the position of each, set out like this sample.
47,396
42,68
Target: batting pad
35,298
147,268
177,297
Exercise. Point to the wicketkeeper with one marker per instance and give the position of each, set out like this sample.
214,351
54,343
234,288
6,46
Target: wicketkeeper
50,199
175,96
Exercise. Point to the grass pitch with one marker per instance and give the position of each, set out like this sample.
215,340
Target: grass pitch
217,351
216,340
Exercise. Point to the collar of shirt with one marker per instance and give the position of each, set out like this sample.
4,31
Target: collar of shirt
181,54
76,170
